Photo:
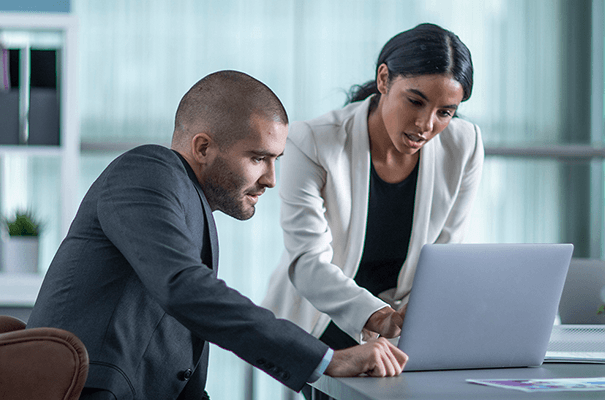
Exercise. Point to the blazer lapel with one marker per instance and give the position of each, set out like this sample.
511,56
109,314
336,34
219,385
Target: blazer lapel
422,214
360,186
210,224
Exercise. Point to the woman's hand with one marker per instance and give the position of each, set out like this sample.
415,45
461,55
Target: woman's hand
385,322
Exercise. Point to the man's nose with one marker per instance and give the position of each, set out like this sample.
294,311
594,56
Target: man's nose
268,178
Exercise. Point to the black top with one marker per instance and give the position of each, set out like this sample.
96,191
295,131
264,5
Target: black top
388,231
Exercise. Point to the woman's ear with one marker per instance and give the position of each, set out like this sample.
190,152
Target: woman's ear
382,78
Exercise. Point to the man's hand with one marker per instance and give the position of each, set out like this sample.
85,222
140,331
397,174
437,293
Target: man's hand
375,358
384,322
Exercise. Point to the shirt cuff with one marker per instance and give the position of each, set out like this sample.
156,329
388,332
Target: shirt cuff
321,368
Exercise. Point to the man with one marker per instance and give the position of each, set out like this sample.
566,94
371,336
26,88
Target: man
135,278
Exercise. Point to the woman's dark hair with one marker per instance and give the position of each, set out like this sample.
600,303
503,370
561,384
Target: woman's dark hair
427,49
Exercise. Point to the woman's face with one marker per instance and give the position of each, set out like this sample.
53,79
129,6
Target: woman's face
414,110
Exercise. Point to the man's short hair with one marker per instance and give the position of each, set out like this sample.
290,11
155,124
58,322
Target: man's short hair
222,104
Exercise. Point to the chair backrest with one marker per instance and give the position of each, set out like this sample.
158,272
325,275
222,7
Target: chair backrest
584,292
40,363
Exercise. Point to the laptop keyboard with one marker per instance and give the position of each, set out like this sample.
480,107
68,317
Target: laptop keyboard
577,343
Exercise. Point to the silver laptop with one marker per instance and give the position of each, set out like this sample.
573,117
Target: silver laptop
483,305
583,293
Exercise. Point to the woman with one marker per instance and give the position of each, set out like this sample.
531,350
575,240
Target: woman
365,187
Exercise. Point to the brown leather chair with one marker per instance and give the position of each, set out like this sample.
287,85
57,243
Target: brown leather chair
40,363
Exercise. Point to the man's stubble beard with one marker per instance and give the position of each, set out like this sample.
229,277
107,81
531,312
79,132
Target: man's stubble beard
224,190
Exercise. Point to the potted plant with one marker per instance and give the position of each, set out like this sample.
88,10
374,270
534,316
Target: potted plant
20,248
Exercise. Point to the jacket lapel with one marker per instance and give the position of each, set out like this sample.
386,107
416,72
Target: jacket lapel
422,216
210,224
360,186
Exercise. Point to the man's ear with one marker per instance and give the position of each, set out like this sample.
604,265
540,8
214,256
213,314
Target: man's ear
202,147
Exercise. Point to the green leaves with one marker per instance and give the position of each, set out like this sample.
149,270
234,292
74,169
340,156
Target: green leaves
23,224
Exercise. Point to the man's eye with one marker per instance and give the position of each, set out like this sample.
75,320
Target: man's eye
415,102
258,159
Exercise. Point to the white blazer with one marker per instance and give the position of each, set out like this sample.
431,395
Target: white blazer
324,188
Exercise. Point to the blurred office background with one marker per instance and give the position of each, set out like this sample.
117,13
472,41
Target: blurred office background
538,98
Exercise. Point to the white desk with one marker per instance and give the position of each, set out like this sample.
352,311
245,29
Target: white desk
451,385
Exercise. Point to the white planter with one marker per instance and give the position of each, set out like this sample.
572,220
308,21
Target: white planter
20,254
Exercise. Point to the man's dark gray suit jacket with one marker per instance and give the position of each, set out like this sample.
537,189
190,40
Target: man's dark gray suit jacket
135,280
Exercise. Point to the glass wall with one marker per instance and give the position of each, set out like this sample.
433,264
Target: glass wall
538,81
